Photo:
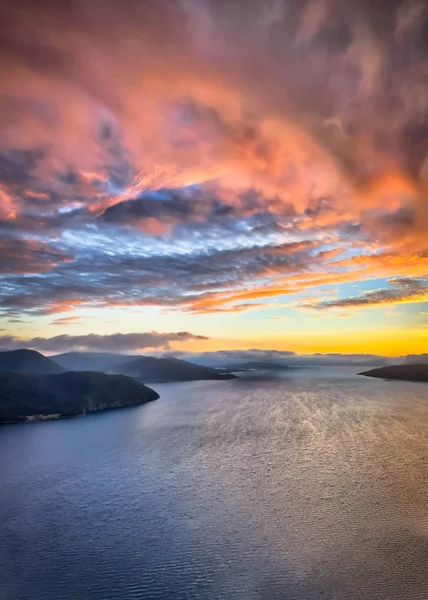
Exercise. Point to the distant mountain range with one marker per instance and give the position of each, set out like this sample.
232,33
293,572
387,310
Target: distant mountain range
157,370
143,368
415,372
30,396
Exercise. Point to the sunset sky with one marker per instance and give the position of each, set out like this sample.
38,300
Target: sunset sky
208,175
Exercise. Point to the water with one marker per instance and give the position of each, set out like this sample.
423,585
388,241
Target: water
308,486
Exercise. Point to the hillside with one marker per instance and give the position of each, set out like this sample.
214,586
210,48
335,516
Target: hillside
30,397
28,361
415,372
91,361
148,368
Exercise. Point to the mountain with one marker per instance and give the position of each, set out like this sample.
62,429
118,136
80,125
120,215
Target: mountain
91,361
144,368
259,366
27,397
415,372
27,361
148,368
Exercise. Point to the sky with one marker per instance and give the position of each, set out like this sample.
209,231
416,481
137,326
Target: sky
193,176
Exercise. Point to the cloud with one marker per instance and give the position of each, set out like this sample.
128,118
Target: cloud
201,113
416,358
209,276
285,357
116,342
401,290
171,277
67,320
276,318
283,147
22,256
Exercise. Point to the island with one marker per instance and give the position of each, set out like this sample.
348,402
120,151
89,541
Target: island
413,372
31,396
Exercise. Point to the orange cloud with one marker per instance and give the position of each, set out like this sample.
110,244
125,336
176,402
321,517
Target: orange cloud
67,320
201,113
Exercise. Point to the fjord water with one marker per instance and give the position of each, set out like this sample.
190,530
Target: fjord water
310,485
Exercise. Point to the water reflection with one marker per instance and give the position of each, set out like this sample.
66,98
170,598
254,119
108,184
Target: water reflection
307,486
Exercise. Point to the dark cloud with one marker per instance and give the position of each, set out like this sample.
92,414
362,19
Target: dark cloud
17,166
117,342
197,207
100,278
392,226
160,204
20,255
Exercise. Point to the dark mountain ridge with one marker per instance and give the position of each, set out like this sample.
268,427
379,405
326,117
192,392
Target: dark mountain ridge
27,397
415,372
143,368
149,368
27,361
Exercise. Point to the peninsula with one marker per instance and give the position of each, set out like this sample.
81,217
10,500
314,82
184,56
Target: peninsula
30,396
415,372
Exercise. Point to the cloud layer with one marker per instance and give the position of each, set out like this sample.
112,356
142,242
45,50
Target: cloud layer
284,357
117,342
203,157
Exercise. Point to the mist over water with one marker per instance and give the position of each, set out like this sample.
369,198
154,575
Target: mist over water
310,485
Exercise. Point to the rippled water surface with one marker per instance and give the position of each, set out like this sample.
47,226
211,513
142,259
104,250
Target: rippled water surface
308,487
